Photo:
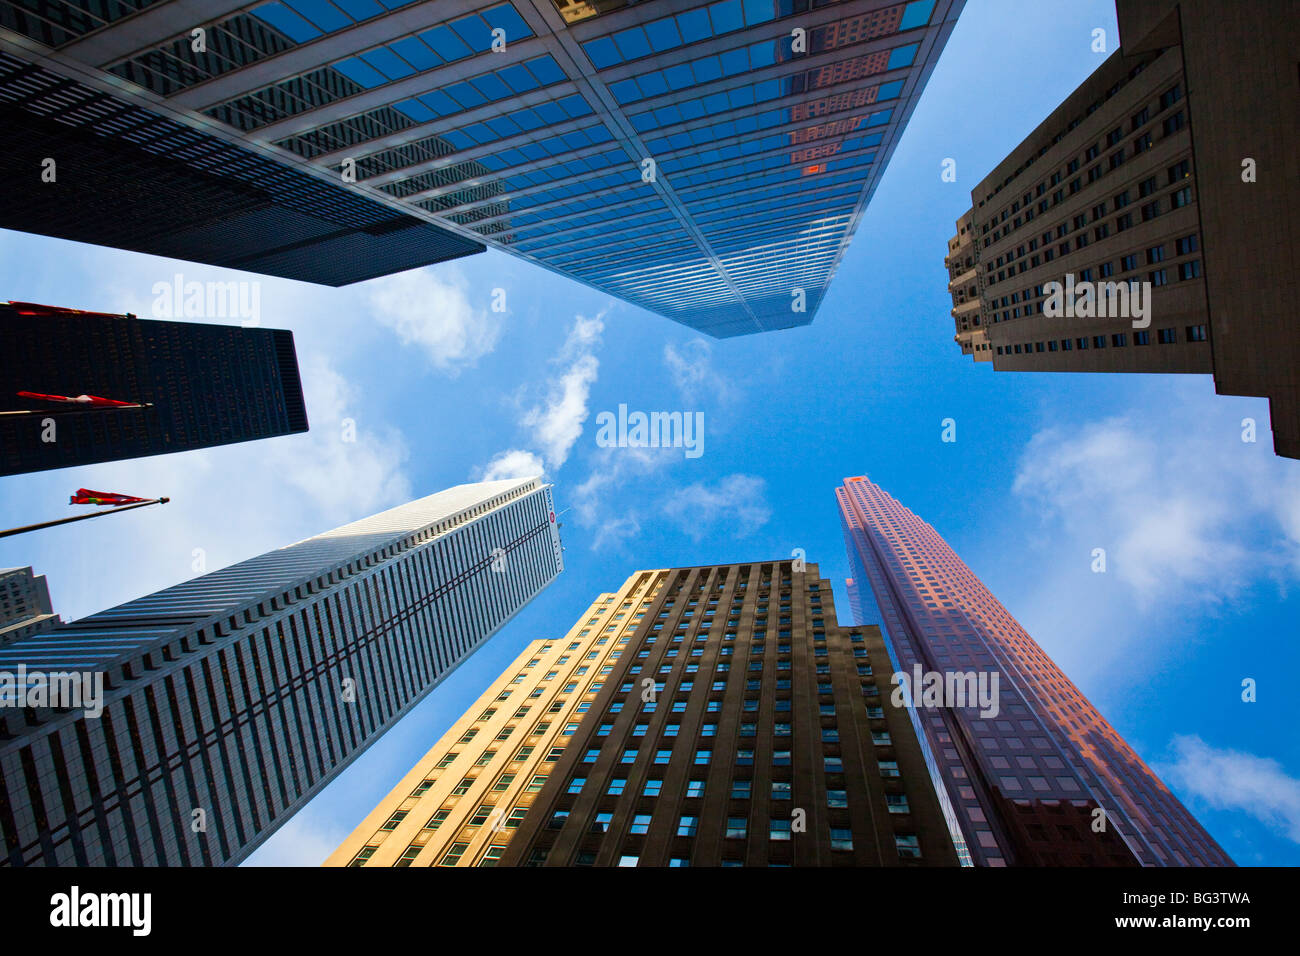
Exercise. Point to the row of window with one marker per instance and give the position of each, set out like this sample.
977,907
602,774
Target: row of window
1165,336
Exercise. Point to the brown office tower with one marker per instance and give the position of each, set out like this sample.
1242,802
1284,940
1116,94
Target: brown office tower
741,727
1148,225
699,716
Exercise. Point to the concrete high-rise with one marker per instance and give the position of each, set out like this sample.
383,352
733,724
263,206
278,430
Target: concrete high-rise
465,799
1167,175
230,700
201,385
709,162
1039,777
25,606
740,726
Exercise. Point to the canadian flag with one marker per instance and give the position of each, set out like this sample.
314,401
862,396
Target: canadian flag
92,400
85,496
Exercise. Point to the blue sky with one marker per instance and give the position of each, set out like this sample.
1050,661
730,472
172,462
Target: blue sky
1202,530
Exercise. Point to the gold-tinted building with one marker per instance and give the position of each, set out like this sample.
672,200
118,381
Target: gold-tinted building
706,716
460,805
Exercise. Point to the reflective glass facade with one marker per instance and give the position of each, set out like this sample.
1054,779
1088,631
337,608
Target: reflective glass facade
233,698
1027,785
709,162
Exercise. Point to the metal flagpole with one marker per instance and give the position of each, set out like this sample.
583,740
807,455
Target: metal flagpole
96,514
71,411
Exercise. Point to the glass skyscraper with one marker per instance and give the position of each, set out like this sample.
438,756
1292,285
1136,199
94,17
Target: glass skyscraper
1044,780
231,699
707,161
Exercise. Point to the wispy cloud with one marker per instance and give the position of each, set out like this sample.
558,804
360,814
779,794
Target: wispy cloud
306,839
431,310
557,422
738,502
693,372
1233,780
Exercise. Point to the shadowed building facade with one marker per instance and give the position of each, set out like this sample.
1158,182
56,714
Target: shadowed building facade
709,162
232,699
740,726
204,385
1044,780
1169,171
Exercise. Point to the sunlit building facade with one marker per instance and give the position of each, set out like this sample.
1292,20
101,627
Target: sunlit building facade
232,699
464,801
1040,779
709,162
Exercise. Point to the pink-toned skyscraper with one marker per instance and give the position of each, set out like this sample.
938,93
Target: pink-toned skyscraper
1043,781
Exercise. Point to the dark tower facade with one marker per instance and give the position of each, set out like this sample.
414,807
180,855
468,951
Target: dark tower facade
201,385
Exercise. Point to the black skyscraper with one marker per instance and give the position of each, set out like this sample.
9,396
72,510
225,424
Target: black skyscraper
201,385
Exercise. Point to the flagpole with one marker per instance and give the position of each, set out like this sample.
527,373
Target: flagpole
69,411
96,514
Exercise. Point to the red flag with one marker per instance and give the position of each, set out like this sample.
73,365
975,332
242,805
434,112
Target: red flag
85,496
91,400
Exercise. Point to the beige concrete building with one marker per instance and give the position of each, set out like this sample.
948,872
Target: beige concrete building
462,803
1169,174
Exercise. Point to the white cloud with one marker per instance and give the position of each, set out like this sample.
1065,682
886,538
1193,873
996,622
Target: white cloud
430,309
616,531
557,423
692,371
344,464
1237,781
305,839
514,463
737,501
1173,509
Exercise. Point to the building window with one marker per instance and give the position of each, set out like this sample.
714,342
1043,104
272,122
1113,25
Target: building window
909,847
453,854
